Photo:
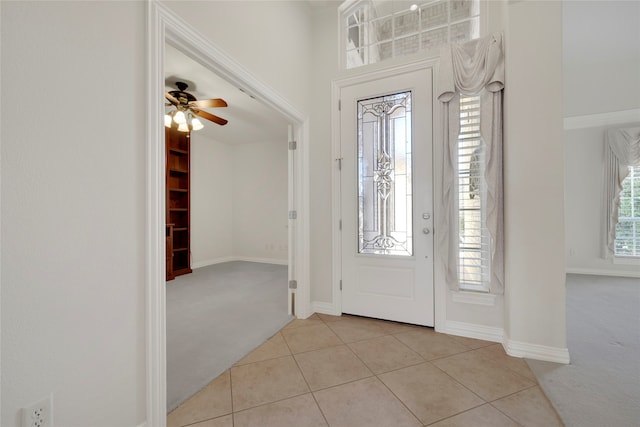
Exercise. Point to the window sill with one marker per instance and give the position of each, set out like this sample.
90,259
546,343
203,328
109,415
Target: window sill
477,298
626,260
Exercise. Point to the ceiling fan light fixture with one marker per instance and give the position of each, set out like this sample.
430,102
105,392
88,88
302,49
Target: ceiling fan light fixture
186,106
196,124
180,118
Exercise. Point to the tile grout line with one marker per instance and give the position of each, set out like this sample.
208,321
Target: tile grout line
458,382
392,370
311,391
485,357
471,409
488,358
292,354
374,375
305,378
233,418
519,391
400,400
503,413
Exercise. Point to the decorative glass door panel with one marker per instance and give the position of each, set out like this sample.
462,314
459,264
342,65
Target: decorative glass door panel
386,195
384,175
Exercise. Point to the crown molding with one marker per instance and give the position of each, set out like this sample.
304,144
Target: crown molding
602,119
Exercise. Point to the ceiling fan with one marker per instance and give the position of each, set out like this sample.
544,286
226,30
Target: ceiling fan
187,106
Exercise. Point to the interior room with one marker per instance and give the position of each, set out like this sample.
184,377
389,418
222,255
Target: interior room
227,261
84,296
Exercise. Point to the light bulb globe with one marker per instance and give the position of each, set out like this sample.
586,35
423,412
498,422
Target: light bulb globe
196,124
180,118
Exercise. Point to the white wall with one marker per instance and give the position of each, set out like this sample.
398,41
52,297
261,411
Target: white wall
211,200
601,60
238,201
272,39
533,175
73,211
260,201
324,68
601,80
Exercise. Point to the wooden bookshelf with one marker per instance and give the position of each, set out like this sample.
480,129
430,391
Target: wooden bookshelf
178,202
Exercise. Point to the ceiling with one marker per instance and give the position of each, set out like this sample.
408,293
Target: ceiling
250,121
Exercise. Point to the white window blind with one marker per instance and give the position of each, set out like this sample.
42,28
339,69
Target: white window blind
627,241
474,240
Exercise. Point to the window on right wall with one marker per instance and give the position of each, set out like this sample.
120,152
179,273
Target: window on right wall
627,240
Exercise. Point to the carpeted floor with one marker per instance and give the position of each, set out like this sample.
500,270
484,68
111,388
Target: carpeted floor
601,385
215,316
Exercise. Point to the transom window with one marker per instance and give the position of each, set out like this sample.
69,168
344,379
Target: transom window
374,31
627,242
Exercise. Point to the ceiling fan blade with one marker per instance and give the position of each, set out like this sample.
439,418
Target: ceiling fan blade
209,103
211,117
171,98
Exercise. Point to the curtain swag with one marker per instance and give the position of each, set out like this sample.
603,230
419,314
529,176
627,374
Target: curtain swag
473,68
621,150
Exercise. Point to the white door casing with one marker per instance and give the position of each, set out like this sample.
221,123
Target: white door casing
377,281
164,26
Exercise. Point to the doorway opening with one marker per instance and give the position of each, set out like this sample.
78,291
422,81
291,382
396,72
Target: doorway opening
165,28
227,228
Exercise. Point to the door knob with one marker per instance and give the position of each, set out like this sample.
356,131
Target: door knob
425,230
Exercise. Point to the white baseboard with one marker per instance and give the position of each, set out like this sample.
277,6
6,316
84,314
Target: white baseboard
144,424
264,260
207,262
325,308
471,330
603,272
536,351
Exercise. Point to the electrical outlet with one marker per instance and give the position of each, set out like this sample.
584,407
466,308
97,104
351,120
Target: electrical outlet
39,414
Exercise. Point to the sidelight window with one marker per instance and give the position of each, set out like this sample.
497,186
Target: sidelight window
474,239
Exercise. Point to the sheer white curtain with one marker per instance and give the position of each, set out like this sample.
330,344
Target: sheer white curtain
621,150
472,68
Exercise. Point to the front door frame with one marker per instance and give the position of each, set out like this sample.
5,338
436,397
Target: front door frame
363,77
164,26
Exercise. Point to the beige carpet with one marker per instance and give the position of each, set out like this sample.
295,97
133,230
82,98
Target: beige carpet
217,315
601,386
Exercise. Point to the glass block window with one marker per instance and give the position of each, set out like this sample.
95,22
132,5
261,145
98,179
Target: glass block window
627,242
384,175
474,240
374,31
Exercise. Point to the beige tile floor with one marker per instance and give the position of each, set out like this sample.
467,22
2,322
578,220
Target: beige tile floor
351,371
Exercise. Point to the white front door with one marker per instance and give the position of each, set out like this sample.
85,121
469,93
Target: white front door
386,198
